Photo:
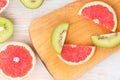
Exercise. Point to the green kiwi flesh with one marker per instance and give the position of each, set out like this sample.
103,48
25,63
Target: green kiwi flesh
6,29
58,36
32,4
107,40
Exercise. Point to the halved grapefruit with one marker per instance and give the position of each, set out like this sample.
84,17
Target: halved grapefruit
17,61
75,54
101,13
3,5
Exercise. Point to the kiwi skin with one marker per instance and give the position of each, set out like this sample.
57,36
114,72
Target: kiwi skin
107,41
29,6
9,29
57,40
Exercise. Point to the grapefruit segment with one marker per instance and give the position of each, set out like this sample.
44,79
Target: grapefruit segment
20,59
3,5
100,13
75,54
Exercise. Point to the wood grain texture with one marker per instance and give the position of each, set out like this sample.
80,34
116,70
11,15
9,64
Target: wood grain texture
79,33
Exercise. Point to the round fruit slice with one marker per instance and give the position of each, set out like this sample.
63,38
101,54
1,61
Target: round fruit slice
101,13
107,40
32,4
6,29
58,36
74,54
3,5
17,61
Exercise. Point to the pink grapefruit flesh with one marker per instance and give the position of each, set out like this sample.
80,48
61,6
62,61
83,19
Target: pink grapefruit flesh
16,60
3,4
101,13
74,54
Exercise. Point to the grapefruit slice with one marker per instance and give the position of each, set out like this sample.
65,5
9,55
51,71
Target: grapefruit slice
74,54
3,5
17,61
100,13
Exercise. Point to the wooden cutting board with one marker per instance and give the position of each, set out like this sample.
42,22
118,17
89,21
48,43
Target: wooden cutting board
79,33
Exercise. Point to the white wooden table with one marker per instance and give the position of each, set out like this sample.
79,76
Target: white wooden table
109,69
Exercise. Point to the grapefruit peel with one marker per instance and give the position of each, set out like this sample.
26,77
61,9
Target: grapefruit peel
31,53
104,5
81,62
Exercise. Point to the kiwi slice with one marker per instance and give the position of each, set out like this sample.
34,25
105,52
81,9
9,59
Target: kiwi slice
58,36
6,29
107,40
32,4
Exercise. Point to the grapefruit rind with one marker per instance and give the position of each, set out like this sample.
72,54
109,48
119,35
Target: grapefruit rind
81,62
4,6
33,58
103,4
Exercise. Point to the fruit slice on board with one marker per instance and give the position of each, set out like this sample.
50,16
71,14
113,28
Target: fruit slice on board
17,61
75,54
58,36
3,5
32,4
6,29
100,13
107,40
